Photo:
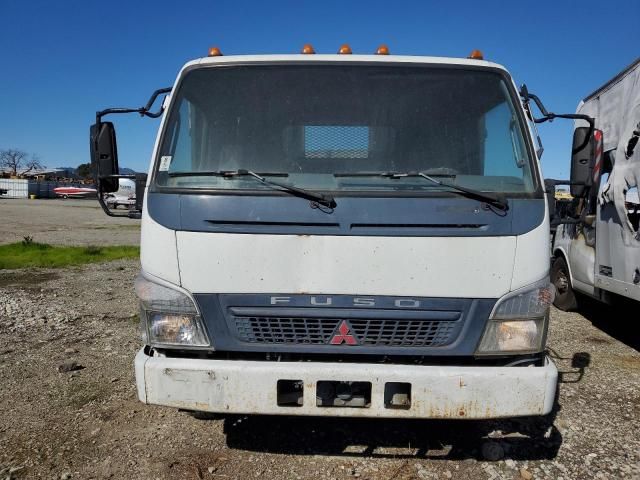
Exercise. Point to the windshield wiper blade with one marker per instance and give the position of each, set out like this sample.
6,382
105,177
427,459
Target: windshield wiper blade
435,172
324,200
492,199
489,198
320,199
223,173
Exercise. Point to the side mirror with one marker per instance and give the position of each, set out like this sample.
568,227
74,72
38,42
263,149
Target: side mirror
104,156
583,160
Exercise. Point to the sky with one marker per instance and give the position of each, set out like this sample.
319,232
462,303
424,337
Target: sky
63,60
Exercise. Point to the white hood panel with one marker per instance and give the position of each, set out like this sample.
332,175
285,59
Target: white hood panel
476,267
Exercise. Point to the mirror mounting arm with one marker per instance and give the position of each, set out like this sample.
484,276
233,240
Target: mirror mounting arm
135,213
563,182
143,111
550,116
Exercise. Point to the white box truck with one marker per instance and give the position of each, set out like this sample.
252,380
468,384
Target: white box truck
596,247
342,235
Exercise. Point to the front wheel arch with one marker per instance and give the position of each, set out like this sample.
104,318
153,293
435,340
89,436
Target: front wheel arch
560,276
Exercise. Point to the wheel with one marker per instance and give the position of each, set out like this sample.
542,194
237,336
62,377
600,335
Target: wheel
565,296
65,196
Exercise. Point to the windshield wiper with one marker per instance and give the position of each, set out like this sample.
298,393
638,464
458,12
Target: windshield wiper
223,173
434,172
324,200
493,200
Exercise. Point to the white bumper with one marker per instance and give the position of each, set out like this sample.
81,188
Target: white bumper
249,387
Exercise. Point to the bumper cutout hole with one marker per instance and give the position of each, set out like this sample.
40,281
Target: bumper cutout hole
290,393
397,395
343,394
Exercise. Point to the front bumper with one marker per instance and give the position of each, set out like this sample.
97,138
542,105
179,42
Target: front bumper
249,387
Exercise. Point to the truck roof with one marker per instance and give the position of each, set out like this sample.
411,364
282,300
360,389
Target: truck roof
343,58
613,81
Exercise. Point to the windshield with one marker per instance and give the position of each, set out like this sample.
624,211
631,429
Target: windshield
318,126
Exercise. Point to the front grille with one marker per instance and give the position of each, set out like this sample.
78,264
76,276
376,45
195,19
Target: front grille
368,332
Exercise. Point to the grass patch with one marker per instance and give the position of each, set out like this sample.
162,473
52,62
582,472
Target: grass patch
32,254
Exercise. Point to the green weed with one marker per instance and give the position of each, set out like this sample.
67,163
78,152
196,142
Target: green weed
32,254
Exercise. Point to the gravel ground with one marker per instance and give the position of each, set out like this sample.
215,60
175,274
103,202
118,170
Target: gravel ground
69,408
87,423
64,222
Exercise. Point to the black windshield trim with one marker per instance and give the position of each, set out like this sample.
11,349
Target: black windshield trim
435,192
452,215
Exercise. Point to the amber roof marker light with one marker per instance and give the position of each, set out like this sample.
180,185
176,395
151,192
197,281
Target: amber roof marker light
307,49
215,52
382,50
476,55
345,50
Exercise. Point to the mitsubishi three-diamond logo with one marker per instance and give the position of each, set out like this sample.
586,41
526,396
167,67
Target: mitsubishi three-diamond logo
344,335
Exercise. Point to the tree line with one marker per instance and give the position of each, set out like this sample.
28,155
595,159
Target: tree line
17,161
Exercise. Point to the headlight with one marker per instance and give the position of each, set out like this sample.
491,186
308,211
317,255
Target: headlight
518,323
173,329
168,316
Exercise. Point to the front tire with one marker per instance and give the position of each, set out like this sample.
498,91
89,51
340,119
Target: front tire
565,296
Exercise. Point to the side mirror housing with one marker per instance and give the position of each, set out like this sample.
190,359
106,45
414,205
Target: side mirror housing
104,156
583,160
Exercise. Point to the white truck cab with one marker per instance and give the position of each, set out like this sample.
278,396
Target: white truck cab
342,235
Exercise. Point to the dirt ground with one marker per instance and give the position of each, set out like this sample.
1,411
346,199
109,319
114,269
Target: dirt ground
87,422
64,222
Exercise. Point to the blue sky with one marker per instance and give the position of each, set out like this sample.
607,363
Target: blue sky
63,60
